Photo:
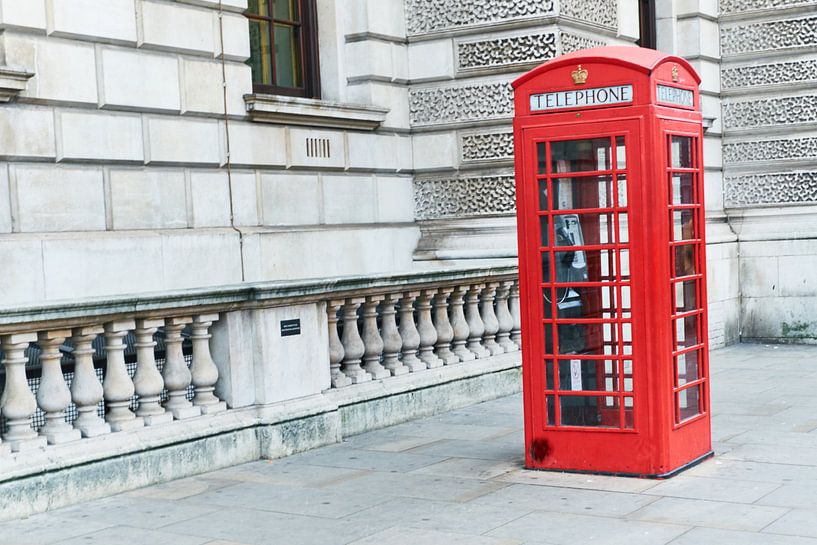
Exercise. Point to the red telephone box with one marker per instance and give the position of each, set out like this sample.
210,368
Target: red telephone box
612,263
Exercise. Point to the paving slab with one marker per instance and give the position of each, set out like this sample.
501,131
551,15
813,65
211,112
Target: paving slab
565,529
705,488
797,522
712,514
714,536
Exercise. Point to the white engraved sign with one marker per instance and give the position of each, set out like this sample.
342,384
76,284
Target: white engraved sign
578,98
674,95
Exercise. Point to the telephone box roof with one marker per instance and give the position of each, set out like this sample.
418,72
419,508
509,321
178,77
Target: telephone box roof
638,58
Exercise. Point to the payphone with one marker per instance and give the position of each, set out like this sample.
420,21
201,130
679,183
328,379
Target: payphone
612,263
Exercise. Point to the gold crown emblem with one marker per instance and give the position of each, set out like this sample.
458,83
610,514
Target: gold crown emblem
674,73
579,75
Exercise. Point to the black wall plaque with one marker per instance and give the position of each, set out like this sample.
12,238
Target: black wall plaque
290,327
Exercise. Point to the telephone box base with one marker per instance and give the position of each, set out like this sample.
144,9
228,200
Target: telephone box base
658,476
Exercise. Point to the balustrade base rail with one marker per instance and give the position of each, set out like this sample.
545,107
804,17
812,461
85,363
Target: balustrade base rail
288,366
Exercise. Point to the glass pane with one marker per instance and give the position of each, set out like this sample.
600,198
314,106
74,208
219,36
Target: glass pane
549,375
626,308
258,7
628,375
287,57
570,267
627,332
686,296
688,401
580,155
551,410
601,265
545,267
547,329
686,332
583,229
588,375
543,195
595,411
682,152
687,366
683,225
682,189
598,302
541,156
622,190
285,9
625,264
621,153
584,192
685,260
628,413
260,60
543,230
600,339
623,229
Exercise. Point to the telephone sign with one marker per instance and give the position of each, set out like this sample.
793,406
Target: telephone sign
610,217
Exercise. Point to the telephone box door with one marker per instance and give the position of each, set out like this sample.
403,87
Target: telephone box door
580,198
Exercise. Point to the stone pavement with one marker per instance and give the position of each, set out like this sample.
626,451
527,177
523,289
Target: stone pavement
458,479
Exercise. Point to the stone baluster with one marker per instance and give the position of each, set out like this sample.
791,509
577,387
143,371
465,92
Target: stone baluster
118,386
353,346
86,390
18,403
489,319
445,332
409,333
53,396
147,381
475,326
339,380
392,343
460,325
513,304
176,374
372,341
203,369
503,316
428,335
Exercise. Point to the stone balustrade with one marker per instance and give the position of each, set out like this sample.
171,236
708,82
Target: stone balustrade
400,332
184,366
113,395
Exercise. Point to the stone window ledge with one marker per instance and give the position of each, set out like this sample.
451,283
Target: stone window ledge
312,112
12,82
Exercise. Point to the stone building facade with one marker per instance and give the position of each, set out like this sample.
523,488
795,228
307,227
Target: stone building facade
147,189
116,137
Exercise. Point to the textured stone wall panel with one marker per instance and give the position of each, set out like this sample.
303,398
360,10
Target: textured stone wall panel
440,105
741,6
775,188
487,147
506,51
464,197
572,42
769,74
771,36
770,112
771,150
601,12
425,16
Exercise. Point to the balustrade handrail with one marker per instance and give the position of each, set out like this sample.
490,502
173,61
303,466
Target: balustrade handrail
231,297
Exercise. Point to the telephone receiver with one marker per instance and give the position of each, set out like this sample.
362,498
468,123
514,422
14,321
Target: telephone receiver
569,233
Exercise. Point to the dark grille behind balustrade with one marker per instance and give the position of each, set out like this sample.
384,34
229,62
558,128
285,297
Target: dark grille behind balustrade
33,371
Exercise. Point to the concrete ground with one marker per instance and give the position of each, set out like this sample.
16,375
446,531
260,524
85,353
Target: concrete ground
458,479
